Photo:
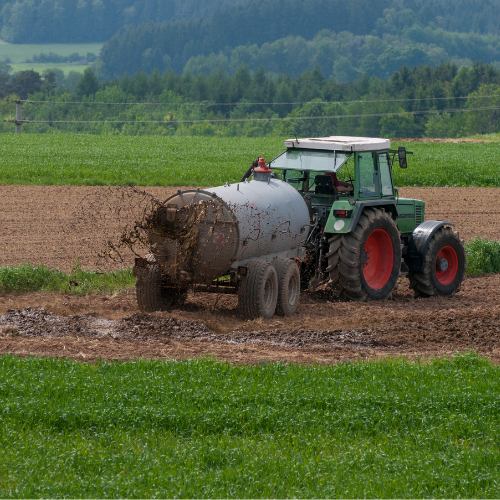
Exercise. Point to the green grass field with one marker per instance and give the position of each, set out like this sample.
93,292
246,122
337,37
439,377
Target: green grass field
204,429
29,278
208,161
19,53
41,67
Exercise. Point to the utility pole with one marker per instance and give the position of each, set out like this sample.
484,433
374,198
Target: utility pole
18,122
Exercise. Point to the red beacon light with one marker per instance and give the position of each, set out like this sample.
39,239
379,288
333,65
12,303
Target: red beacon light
262,167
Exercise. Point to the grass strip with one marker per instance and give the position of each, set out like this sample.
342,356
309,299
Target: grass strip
29,278
205,429
483,256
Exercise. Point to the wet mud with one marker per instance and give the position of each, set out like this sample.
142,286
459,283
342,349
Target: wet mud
325,331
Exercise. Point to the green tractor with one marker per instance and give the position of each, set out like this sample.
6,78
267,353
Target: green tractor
363,236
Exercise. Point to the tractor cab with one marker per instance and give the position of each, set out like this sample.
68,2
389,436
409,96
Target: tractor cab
337,174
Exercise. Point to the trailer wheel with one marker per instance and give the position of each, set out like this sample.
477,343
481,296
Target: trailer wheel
444,266
288,286
258,291
365,263
152,292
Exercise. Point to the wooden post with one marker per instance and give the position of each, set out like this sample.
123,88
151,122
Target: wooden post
18,116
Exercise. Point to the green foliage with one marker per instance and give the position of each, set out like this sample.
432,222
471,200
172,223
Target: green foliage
411,103
88,85
483,256
345,39
29,278
66,21
206,429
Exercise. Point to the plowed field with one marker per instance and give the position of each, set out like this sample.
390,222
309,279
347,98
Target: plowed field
48,225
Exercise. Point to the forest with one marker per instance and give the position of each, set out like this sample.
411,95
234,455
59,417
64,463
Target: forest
344,39
237,22
441,101
69,21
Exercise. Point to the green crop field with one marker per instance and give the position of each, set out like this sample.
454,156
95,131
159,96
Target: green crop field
42,67
19,53
170,160
203,429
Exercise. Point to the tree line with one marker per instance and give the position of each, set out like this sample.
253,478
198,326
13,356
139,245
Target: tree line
237,22
344,38
68,21
423,101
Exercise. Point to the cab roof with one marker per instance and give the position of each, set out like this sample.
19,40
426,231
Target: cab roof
340,143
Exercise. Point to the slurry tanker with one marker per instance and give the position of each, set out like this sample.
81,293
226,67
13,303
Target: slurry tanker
323,213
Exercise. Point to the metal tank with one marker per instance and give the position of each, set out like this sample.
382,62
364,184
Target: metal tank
200,235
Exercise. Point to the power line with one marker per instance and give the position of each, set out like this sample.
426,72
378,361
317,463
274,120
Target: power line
227,120
207,104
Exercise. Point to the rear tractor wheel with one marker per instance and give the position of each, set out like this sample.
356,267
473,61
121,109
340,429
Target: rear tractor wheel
365,263
444,266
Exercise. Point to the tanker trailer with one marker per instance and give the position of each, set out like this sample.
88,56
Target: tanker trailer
244,238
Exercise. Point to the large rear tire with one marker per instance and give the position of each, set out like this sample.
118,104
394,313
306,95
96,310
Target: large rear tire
152,291
444,266
365,263
288,286
258,291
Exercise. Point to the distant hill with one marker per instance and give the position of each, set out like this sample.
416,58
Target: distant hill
345,39
81,21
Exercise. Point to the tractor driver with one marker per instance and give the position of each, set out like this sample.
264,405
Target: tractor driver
340,186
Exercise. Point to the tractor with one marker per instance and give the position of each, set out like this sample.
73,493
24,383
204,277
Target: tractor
323,214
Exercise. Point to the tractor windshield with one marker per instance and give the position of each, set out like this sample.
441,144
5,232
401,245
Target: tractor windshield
310,160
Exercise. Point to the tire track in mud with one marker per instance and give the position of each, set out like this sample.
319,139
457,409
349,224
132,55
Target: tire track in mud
322,330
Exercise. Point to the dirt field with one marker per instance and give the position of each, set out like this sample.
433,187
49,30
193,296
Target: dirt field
42,224
57,225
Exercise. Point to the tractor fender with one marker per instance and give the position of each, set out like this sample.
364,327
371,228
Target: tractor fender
419,241
388,205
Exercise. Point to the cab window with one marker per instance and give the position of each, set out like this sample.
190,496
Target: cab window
369,184
385,174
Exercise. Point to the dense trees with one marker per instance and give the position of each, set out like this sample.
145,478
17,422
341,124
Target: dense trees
411,103
345,39
64,21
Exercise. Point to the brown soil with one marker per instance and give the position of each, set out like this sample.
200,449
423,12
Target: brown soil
39,224
58,225
111,327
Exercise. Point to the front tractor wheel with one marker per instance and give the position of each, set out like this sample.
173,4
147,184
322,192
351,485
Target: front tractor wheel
444,266
365,263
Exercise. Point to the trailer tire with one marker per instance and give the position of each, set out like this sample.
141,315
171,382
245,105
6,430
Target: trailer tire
444,244
288,286
365,263
152,292
258,291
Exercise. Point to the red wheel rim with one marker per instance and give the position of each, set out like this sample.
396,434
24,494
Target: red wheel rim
378,259
448,254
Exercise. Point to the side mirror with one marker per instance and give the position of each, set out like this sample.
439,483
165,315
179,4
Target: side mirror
402,157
